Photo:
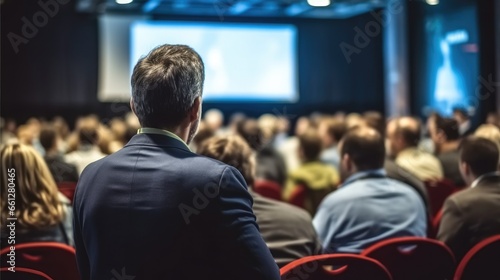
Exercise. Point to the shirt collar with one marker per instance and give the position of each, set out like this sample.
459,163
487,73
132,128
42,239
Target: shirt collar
478,179
150,130
361,174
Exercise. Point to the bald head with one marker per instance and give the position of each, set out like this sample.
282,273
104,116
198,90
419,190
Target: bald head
402,133
364,148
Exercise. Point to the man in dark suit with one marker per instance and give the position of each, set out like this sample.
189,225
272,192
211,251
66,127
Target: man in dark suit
156,210
472,215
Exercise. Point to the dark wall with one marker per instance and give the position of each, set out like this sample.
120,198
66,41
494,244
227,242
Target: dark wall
56,72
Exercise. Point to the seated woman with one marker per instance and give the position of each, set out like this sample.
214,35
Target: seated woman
286,229
43,214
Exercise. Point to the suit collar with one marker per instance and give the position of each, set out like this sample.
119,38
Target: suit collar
487,180
162,140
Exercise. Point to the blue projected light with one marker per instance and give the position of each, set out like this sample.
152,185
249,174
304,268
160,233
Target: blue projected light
243,62
452,64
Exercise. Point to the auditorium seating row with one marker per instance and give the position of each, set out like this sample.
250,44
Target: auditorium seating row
403,258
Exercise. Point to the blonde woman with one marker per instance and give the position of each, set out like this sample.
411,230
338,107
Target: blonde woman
42,213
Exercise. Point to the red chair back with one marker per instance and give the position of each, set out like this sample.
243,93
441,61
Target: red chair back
433,229
67,189
414,258
344,267
57,260
482,261
298,196
268,189
23,274
438,192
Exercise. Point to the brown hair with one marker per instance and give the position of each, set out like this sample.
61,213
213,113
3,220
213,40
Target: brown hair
232,150
311,145
36,195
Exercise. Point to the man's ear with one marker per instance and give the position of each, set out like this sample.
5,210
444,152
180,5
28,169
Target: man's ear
464,168
195,112
346,162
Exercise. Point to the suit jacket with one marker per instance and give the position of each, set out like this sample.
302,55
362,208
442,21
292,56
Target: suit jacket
61,170
286,229
155,210
471,215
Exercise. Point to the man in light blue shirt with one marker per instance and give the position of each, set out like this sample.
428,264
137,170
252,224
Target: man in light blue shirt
368,207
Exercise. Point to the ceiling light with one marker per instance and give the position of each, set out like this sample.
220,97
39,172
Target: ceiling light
318,3
123,2
432,2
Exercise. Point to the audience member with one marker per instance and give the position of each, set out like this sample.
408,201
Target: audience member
446,138
60,169
375,120
289,147
118,129
493,118
318,178
464,122
87,149
472,215
282,128
489,132
214,120
204,133
331,131
42,213
8,128
368,207
403,135
270,164
286,229
195,213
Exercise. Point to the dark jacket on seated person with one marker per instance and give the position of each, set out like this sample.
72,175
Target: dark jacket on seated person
471,215
61,170
449,161
286,229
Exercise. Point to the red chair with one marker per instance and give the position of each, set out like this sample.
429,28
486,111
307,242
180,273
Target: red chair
298,196
481,262
268,189
23,274
68,189
414,258
57,260
343,267
438,192
434,225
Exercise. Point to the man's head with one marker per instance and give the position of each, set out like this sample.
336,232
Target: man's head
331,130
443,130
214,119
375,120
310,145
231,150
478,156
167,86
48,138
402,133
88,135
250,131
361,149
460,115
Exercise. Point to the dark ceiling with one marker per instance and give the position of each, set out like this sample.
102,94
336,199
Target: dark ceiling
233,8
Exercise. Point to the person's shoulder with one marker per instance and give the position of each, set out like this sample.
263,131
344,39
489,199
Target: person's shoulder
285,211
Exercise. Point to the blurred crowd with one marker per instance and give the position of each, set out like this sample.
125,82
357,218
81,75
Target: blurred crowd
416,151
